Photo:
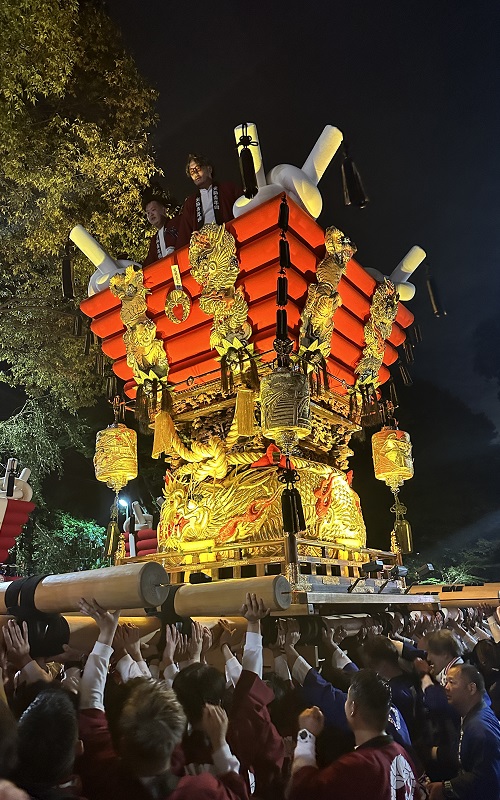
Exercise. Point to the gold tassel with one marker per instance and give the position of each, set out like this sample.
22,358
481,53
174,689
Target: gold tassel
164,428
112,537
245,417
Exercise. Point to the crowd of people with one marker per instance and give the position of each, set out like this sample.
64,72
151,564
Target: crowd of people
403,707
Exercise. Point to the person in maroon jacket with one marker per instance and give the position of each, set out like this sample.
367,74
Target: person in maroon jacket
378,768
160,212
251,735
212,201
136,766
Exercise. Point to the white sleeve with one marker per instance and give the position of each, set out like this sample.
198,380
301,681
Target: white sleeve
281,668
224,761
128,668
341,659
469,640
305,751
480,633
252,653
233,670
94,677
169,674
300,670
494,628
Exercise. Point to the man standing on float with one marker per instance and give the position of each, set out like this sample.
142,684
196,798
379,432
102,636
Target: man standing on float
212,202
160,210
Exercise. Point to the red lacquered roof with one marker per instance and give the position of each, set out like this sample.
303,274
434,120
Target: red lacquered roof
257,237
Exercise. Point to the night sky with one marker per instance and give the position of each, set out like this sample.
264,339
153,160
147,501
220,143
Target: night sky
414,87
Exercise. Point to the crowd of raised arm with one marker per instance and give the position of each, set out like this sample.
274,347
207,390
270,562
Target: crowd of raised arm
405,707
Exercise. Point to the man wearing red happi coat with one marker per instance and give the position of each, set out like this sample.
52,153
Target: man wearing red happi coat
212,201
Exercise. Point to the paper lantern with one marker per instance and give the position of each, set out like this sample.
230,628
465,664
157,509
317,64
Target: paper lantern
115,459
392,457
393,464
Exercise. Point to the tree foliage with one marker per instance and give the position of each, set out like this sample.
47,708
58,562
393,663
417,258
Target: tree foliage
59,542
74,121
37,438
466,565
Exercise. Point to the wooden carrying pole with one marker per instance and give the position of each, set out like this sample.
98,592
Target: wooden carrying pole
83,631
225,598
126,586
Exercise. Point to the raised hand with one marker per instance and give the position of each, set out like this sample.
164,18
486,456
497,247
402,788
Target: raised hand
312,720
206,641
227,633
119,643
278,647
181,648
214,723
69,654
252,609
292,635
171,639
132,640
107,621
195,643
17,644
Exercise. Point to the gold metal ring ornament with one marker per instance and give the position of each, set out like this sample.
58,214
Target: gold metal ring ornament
177,297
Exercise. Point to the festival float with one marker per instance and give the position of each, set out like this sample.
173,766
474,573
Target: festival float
253,355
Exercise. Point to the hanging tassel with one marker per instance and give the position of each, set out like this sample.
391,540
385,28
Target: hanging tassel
408,351
254,382
77,325
89,340
141,406
370,410
166,399
405,375
393,395
68,288
324,371
417,333
223,375
247,166
284,214
282,291
244,412
100,364
353,406
163,434
154,395
299,511
112,537
290,523
404,537
247,171
111,387
281,324
284,255
352,185
437,308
